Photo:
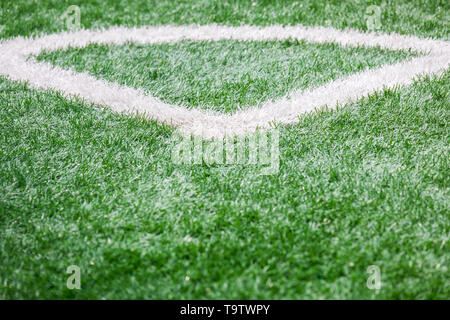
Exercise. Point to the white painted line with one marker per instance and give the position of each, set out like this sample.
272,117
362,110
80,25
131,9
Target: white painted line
15,65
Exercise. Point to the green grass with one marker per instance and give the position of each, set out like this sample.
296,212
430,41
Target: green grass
428,18
223,75
367,184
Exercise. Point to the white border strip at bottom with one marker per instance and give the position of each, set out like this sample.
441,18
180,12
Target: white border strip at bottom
15,65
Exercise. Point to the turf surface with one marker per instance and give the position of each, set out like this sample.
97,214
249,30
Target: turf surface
222,75
365,185
428,18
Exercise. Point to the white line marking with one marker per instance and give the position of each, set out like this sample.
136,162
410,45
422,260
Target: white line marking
15,66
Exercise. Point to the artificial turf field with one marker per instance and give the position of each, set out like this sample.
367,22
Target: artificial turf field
367,184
